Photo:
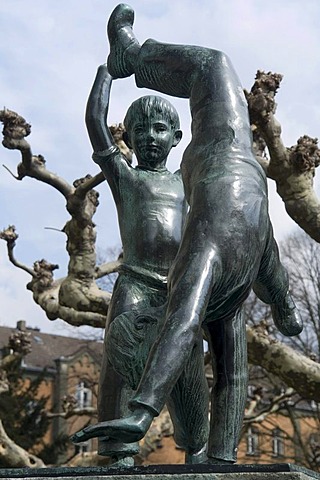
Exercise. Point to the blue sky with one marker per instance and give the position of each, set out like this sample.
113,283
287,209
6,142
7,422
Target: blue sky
49,53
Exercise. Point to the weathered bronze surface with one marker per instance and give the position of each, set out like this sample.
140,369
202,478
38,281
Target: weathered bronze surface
151,210
227,247
282,471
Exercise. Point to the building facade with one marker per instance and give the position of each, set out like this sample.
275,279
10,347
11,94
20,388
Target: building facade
70,372
71,367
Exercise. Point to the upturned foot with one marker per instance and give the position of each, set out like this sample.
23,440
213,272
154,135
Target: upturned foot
286,317
128,429
124,46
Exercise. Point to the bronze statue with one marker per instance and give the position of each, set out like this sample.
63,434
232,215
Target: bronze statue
151,211
227,247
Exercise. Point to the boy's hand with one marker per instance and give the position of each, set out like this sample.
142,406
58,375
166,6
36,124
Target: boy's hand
104,70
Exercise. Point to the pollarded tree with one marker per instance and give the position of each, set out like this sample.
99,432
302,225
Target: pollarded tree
78,300
292,168
271,403
20,412
301,255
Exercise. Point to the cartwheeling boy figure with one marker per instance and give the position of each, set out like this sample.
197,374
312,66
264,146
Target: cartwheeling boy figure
151,210
227,247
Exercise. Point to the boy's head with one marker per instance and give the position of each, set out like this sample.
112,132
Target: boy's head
152,129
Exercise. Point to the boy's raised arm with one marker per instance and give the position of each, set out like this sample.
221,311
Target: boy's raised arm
97,110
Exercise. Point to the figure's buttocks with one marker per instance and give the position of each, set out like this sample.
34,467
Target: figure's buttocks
151,215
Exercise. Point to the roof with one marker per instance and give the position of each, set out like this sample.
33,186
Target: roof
47,347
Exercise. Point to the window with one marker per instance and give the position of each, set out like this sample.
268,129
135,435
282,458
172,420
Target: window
38,339
277,443
33,409
83,396
314,405
314,443
252,441
251,389
83,447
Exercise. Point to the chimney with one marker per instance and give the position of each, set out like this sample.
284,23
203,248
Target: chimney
21,325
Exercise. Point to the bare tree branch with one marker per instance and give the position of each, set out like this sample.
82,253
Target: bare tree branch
79,412
10,236
13,456
77,292
295,369
46,294
275,405
293,168
89,184
14,132
107,268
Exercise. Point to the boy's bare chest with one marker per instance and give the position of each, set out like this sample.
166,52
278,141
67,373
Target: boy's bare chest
155,188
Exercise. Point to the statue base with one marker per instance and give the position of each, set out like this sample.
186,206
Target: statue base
282,471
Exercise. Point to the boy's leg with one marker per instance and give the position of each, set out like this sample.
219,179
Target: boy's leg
228,348
188,405
114,392
196,269
186,309
272,287
113,397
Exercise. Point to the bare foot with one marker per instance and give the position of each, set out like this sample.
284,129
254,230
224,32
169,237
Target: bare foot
286,317
128,429
124,46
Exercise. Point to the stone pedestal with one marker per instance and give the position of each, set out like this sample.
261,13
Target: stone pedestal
283,471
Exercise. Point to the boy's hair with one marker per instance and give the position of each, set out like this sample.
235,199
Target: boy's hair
148,105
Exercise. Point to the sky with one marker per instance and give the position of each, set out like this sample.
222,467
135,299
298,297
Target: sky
49,54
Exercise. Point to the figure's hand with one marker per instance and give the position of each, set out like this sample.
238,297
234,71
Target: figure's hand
103,70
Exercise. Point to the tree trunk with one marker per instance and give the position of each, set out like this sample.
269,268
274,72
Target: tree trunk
295,369
13,456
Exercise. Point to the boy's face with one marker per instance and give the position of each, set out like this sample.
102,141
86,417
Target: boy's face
151,140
